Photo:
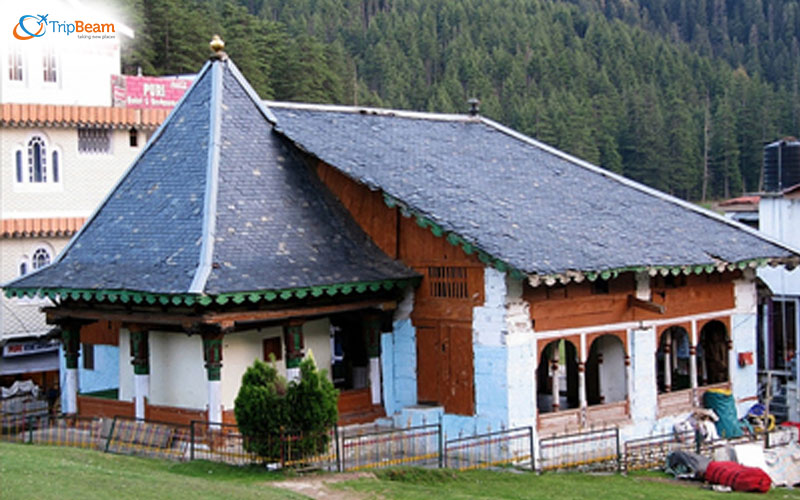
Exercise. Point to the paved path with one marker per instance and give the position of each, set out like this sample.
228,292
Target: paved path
316,485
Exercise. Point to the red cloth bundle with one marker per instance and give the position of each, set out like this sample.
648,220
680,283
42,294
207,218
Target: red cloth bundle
738,477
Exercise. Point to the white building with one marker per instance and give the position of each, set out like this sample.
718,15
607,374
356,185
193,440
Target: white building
62,147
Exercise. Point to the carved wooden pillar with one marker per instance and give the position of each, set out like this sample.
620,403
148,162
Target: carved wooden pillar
71,341
582,391
554,374
140,359
293,341
212,355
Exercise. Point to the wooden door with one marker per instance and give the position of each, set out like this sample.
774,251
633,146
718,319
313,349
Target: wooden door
427,363
445,366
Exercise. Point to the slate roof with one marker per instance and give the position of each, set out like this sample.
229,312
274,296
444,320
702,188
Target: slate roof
217,203
535,208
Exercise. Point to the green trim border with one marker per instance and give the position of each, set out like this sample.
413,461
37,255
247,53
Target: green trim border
191,299
550,279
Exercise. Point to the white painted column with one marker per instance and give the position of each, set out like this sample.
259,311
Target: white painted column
214,401
732,361
141,392
629,366
582,379
554,376
667,361
375,379
71,342
140,352
70,401
693,360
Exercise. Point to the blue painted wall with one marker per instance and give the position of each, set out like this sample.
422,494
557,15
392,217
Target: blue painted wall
399,365
106,369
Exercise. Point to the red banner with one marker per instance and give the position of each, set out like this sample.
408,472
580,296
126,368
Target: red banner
151,92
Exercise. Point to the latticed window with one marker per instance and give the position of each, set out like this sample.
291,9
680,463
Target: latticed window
41,258
37,160
49,68
94,140
15,64
448,282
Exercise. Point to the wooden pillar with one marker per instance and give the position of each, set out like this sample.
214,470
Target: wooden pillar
212,355
600,389
140,359
293,341
629,376
667,361
71,340
582,391
372,337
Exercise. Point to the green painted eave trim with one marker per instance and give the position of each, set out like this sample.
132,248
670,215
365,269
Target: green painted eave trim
190,299
655,270
453,238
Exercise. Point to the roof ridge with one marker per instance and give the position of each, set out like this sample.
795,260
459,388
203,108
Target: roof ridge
366,110
207,235
636,185
122,178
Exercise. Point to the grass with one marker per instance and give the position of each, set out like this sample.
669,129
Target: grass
44,472
443,485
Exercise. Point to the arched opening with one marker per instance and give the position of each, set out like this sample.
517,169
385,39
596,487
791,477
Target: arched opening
41,258
37,160
557,374
673,360
606,375
712,354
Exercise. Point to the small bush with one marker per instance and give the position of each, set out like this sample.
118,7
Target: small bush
267,409
261,409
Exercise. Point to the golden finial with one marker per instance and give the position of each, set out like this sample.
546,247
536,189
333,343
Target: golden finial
217,44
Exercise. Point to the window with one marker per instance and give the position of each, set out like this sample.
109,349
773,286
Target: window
133,138
23,268
54,165
41,258
94,140
18,160
448,282
88,356
37,160
783,318
272,347
50,73
15,64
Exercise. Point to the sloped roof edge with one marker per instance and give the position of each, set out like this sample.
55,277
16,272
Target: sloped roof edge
636,185
119,182
212,170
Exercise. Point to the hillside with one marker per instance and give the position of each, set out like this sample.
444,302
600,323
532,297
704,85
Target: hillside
670,93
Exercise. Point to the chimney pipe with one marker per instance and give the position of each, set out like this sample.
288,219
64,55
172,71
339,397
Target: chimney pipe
474,106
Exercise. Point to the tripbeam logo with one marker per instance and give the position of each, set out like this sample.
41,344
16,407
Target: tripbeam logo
30,27
26,25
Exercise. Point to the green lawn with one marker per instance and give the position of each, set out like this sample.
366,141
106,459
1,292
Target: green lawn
444,485
42,472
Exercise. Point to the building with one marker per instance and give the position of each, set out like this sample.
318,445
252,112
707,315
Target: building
441,266
63,147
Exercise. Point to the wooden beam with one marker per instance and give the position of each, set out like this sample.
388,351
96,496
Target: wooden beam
647,305
222,320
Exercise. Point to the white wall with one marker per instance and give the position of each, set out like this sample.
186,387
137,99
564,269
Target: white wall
780,218
613,377
241,349
177,370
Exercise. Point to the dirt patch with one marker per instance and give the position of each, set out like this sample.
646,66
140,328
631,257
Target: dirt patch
316,486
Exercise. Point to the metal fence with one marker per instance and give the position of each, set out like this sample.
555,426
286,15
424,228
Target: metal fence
651,452
419,445
494,449
422,445
591,450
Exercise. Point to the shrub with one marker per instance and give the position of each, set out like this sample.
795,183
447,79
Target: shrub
267,409
261,409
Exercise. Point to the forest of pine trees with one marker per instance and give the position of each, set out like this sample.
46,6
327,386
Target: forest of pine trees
662,91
